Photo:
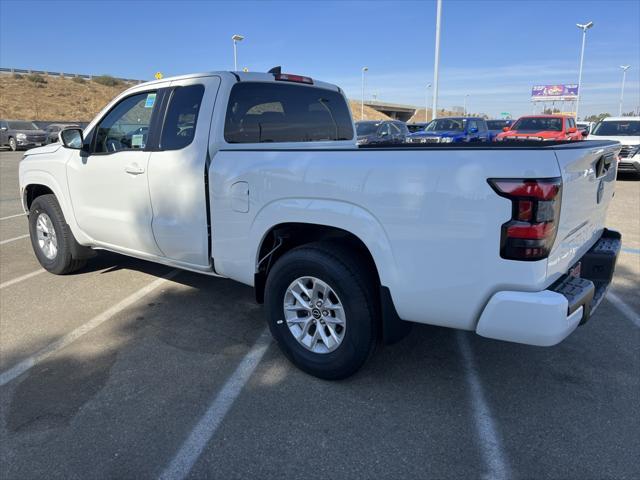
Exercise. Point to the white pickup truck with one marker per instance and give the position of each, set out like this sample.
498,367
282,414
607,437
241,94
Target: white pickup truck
257,177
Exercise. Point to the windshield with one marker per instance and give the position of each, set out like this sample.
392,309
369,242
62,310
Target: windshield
497,124
618,128
455,124
536,124
366,128
13,125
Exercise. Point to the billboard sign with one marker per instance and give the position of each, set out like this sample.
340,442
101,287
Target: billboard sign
559,92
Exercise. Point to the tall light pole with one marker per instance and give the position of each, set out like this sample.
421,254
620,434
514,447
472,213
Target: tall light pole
464,109
364,69
584,28
426,103
624,76
236,38
434,105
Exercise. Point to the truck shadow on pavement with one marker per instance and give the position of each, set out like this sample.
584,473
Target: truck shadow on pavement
137,384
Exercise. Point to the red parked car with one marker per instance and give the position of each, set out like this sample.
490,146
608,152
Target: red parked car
542,127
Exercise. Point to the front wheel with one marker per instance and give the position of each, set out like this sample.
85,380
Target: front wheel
51,237
12,144
322,310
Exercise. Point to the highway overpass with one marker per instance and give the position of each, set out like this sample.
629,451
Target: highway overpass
393,110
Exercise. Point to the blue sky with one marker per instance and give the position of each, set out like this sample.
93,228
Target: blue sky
492,50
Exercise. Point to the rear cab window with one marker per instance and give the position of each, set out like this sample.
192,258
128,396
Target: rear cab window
179,127
265,112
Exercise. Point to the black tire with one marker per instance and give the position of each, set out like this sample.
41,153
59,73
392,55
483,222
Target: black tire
351,280
63,262
12,144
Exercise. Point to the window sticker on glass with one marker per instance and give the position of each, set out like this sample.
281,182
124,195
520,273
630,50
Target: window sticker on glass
151,99
136,141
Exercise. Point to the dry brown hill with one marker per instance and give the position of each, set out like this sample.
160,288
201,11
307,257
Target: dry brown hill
57,99
71,100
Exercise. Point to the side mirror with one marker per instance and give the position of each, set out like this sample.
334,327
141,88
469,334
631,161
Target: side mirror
585,133
572,130
71,138
506,129
473,130
384,133
4,129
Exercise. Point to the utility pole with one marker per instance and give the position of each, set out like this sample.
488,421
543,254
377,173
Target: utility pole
624,76
364,69
434,105
584,28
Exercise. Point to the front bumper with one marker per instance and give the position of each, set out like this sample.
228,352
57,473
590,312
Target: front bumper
548,317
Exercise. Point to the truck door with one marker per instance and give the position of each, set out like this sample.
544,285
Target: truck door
108,183
178,169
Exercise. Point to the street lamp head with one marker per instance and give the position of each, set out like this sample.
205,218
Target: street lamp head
584,26
625,67
365,69
428,85
237,38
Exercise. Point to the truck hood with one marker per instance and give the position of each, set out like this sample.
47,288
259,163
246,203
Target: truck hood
51,148
531,133
438,133
623,139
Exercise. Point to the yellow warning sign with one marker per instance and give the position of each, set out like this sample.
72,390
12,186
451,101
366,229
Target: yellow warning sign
158,75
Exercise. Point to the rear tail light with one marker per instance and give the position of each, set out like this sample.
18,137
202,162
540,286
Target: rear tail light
286,77
531,232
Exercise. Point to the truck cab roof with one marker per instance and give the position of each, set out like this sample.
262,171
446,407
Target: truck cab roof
238,77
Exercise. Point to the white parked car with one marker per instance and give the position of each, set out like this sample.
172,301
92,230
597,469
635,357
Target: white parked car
625,130
257,177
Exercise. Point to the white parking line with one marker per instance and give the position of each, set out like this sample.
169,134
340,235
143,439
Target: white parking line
8,283
206,427
490,444
623,308
14,239
96,321
13,216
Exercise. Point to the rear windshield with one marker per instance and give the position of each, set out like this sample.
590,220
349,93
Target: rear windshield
13,125
536,124
366,128
618,128
260,112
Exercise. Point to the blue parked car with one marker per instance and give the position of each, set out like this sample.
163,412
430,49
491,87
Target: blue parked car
452,130
496,126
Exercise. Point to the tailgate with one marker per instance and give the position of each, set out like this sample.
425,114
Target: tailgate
588,183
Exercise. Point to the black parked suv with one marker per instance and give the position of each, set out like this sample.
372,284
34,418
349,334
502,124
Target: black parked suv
381,132
17,134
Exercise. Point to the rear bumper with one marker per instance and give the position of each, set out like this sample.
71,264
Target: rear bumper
631,165
548,317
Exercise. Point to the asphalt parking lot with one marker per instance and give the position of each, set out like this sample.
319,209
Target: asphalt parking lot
130,370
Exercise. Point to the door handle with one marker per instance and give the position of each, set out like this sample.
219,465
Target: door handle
134,169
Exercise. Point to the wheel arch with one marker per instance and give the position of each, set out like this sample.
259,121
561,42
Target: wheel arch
38,182
280,238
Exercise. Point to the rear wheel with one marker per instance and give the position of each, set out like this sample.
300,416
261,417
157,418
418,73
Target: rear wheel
51,237
12,144
321,310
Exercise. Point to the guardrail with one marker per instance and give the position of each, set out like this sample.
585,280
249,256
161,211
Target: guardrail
23,71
